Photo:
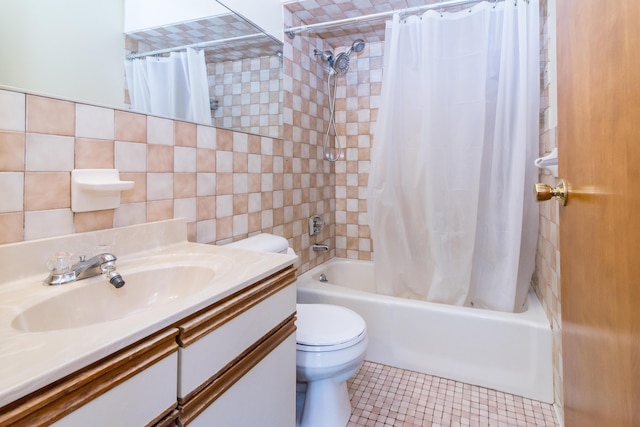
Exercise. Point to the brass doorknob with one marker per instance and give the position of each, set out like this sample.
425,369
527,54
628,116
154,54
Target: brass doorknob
545,192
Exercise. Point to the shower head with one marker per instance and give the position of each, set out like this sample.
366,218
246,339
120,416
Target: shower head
341,64
357,46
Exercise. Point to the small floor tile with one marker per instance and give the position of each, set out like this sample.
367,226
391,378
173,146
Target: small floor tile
387,396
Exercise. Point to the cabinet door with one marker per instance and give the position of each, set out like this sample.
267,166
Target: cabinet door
264,397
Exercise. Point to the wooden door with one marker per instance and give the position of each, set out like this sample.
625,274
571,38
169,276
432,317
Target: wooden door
599,152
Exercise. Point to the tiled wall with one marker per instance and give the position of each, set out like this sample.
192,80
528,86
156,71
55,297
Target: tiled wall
305,114
546,279
248,95
227,184
357,104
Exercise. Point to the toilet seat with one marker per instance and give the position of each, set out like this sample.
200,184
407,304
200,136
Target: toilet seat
325,327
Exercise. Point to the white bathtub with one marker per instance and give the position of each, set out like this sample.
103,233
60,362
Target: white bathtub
509,352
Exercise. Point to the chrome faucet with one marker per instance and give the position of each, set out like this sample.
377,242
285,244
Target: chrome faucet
100,264
318,247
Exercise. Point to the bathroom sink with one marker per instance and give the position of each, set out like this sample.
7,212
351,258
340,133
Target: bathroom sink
97,301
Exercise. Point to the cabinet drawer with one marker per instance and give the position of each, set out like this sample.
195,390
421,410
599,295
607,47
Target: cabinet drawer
136,402
134,386
202,359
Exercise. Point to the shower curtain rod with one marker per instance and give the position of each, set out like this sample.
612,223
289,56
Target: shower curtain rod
200,45
292,31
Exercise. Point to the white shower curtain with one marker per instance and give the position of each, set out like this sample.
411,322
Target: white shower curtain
450,206
174,86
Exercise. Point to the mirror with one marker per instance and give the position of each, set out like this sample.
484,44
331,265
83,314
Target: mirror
78,56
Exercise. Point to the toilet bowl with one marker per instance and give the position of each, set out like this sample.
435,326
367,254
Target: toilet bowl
330,345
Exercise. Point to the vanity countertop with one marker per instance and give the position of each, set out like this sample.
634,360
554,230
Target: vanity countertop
31,360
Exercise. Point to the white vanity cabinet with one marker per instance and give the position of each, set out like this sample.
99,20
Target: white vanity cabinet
237,359
132,387
229,364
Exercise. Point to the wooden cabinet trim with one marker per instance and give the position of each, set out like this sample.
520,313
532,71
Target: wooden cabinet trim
58,399
196,403
234,305
169,418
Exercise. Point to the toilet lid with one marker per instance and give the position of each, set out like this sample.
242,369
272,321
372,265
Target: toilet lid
327,325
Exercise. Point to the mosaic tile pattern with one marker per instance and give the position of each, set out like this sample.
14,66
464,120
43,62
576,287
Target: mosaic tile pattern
239,39
305,113
247,95
386,396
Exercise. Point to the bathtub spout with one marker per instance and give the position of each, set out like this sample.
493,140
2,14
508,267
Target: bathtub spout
317,247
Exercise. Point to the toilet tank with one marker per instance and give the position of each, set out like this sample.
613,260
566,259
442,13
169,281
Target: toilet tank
264,242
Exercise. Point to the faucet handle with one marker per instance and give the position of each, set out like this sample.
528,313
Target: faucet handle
60,262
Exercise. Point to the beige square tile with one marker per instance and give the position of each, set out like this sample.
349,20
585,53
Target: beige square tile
224,183
240,204
130,127
47,223
49,153
240,162
224,206
159,210
47,190
206,184
159,186
184,159
11,227
255,222
160,131
130,156
12,111
205,208
184,185
92,221
240,225
206,137
139,191
12,151
205,160
254,183
224,140
130,214
95,122
159,158
253,144
224,228
51,116
224,161
206,231
94,154
240,183
185,208
185,134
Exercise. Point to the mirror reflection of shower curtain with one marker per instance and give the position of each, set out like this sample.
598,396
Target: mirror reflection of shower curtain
450,209
174,86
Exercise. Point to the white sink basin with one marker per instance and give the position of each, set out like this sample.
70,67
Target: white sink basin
97,301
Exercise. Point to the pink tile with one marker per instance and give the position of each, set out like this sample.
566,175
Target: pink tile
12,151
51,116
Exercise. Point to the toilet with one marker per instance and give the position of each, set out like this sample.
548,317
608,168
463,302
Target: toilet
330,346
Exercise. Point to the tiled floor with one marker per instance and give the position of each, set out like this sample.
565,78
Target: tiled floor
385,396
